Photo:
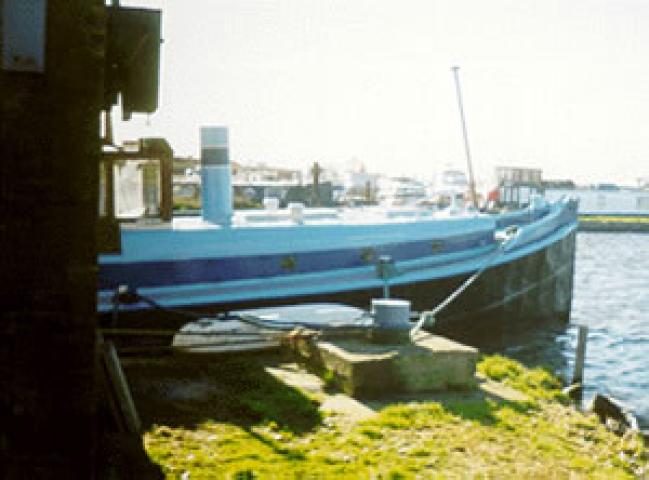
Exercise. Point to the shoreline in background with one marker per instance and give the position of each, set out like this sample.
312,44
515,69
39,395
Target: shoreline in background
614,223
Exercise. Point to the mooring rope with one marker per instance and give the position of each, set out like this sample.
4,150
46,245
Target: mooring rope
124,295
429,315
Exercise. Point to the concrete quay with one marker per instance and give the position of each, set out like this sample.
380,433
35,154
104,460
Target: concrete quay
365,369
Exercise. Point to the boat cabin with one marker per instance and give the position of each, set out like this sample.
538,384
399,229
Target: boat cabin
134,182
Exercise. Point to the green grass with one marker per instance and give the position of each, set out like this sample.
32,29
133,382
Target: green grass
253,426
537,383
613,219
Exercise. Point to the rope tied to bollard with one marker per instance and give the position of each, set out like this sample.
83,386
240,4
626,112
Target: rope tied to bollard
503,238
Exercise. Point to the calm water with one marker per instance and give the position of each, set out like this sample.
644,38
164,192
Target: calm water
611,297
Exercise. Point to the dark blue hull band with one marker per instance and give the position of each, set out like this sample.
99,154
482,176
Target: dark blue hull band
179,272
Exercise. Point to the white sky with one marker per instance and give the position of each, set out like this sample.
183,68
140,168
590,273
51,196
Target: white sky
557,84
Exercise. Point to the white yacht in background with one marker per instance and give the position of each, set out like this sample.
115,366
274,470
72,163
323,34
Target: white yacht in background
450,187
402,191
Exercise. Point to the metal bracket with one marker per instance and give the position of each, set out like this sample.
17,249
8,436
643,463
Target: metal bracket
385,270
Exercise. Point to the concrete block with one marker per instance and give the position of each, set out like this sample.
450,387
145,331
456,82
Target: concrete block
429,363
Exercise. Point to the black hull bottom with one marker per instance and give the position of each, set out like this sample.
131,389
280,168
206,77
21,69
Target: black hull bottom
535,288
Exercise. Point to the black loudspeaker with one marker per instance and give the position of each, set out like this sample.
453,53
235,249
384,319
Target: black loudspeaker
132,59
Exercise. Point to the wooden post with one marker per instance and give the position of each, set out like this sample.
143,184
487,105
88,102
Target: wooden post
316,184
109,186
166,186
578,374
119,390
108,128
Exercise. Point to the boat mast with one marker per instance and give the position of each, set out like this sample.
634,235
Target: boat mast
455,69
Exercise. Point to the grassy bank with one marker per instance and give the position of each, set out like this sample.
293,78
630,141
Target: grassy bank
614,219
236,419
614,223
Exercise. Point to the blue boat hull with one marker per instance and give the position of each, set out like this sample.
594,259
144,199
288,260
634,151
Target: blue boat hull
530,280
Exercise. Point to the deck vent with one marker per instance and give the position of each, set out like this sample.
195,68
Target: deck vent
296,211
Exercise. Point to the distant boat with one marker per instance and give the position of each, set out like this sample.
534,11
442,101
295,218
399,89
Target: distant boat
402,191
227,260
450,186
451,181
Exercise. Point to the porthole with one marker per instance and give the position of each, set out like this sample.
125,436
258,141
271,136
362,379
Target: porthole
437,246
289,263
368,255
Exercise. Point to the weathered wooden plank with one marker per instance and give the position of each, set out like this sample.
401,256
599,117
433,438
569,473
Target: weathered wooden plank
119,388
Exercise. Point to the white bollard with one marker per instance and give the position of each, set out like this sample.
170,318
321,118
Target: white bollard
391,320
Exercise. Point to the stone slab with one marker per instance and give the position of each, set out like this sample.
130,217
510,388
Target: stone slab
429,363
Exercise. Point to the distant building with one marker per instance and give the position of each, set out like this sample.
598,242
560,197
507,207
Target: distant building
254,183
517,184
360,186
605,199
518,175
185,166
261,173
563,184
643,182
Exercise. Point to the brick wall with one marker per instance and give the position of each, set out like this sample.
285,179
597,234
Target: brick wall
49,152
